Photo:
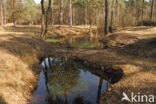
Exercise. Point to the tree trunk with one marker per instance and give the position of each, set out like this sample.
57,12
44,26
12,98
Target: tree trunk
52,13
116,13
14,20
106,16
134,11
86,13
4,12
44,24
112,15
43,17
143,10
2,17
70,13
152,7
90,19
61,13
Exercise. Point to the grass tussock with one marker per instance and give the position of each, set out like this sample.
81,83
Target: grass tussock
19,66
20,51
133,50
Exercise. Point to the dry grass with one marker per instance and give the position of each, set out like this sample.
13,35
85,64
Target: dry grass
135,55
19,65
20,51
129,35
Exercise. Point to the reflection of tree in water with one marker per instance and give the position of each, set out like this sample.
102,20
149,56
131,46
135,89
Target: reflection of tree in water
99,89
80,100
63,76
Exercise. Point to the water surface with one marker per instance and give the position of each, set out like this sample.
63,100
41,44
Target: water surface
78,42
64,81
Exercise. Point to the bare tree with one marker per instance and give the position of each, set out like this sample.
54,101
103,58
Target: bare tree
43,17
106,16
61,13
3,12
13,7
143,10
70,13
152,8
52,13
86,13
2,16
44,24
112,14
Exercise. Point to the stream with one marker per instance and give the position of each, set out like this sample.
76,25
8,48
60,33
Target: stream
77,42
65,81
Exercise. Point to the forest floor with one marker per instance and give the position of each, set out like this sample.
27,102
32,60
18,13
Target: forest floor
19,64
132,49
20,52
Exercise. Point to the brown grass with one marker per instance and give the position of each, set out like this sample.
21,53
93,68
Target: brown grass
20,51
133,51
19,64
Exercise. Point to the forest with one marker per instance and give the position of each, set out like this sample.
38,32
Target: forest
77,51
120,13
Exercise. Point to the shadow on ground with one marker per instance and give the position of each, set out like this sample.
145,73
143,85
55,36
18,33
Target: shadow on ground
144,48
22,29
136,59
2,101
137,28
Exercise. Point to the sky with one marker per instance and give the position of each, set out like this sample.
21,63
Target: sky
37,1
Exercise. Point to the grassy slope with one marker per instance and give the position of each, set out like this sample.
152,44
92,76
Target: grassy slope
19,68
134,51
20,51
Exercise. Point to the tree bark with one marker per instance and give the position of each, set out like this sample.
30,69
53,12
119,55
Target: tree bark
43,17
70,13
143,10
44,24
152,8
52,13
2,17
112,15
61,13
3,12
13,7
106,16
86,13
116,13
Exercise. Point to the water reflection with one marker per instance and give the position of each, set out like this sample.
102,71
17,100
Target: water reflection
68,82
78,42
83,42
